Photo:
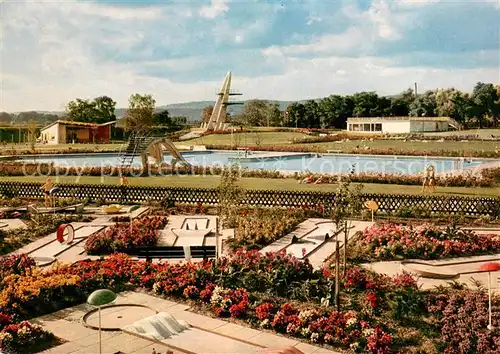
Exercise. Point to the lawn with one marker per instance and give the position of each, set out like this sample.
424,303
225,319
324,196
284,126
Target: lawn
286,138
255,183
47,148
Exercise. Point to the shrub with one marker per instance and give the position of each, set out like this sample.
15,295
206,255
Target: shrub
391,241
256,228
138,233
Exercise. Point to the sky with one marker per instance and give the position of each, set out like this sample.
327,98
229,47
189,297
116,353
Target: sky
55,51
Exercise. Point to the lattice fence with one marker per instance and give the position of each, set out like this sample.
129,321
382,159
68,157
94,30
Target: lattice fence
453,205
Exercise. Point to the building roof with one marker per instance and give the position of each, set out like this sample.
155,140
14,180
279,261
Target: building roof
77,124
401,118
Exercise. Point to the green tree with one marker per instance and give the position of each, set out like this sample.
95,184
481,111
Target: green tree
424,105
162,118
207,113
231,195
335,111
369,104
485,104
261,113
400,104
99,110
32,134
313,116
105,109
140,112
295,113
5,118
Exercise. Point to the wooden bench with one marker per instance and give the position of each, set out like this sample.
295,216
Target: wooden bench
171,252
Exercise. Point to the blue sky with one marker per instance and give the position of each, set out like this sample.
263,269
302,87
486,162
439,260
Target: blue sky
53,52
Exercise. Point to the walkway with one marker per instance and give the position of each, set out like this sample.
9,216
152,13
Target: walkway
67,325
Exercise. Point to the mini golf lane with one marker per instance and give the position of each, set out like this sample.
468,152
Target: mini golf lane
54,248
448,269
310,241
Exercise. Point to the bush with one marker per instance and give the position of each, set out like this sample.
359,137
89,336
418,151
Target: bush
138,233
256,228
390,241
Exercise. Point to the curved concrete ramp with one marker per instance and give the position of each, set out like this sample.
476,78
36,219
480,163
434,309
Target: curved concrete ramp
160,326
164,328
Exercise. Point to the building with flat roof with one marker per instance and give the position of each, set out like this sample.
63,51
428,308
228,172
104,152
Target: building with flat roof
67,132
398,125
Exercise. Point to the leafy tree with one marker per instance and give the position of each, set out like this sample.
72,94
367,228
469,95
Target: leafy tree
105,109
275,115
260,113
295,113
368,104
5,118
400,104
162,118
32,134
230,196
486,106
140,112
207,113
424,105
99,110
335,111
313,114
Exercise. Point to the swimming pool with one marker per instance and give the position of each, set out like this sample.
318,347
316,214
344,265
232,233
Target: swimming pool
285,162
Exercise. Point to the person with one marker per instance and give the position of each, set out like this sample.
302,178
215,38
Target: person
307,180
429,179
47,187
286,350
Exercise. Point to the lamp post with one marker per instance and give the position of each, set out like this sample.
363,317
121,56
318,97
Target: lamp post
490,267
99,298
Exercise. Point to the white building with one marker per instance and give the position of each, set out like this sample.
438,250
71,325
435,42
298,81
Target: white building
67,132
397,125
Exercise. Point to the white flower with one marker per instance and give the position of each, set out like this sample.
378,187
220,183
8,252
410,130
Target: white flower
306,315
354,346
314,337
368,332
351,322
305,332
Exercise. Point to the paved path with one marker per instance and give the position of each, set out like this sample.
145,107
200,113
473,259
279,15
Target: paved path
318,256
67,324
392,268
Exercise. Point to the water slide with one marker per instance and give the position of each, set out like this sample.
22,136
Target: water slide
155,151
453,123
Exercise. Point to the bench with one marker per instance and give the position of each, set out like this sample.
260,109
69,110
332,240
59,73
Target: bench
333,151
172,252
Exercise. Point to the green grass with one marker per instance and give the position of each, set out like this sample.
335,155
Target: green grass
242,139
47,148
286,138
256,183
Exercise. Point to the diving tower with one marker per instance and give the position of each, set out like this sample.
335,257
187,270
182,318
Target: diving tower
219,115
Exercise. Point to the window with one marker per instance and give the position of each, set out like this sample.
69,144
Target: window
378,127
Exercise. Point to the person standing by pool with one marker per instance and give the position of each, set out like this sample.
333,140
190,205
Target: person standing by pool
429,180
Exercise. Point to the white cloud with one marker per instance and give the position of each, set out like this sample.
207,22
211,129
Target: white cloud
49,58
216,8
341,43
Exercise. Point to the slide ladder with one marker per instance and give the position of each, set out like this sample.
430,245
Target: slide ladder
453,123
136,145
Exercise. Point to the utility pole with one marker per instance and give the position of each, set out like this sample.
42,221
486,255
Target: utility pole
415,89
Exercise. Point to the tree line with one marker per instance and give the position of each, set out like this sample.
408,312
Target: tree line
479,109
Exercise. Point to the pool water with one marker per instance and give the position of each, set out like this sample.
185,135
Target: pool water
327,163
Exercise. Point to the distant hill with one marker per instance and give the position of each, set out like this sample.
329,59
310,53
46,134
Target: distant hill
190,110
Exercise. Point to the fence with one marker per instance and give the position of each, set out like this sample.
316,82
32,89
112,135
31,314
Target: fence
390,203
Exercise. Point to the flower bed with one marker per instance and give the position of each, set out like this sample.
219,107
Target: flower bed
379,314
362,151
391,242
256,228
38,226
22,337
138,233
